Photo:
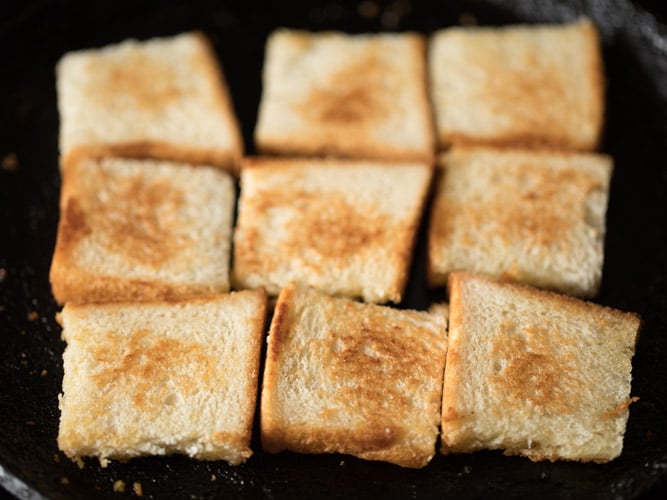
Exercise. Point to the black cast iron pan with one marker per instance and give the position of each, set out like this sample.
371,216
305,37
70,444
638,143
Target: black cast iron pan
34,34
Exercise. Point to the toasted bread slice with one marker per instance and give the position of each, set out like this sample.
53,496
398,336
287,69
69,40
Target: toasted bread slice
345,227
142,229
531,216
518,86
351,96
535,373
156,378
161,98
347,377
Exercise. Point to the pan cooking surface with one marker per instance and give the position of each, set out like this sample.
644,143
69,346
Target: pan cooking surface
33,35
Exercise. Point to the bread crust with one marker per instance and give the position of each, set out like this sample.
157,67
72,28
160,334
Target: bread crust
533,216
560,132
535,373
328,224
152,141
342,112
135,384
348,398
127,230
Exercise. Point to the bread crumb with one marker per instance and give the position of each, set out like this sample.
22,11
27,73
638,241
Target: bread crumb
368,9
44,372
119,486
104,462
33,315
137,488
79,461
467,469
29,422
10,162
64,480
392,15
3,274
56,458
213,477
390,19
467,19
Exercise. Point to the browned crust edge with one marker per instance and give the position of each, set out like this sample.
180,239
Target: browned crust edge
155,150
458,277
271,435
260,161
256,340
448,139
299,145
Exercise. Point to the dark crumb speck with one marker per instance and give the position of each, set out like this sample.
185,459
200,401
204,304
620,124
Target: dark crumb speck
467,19
368,9
10,162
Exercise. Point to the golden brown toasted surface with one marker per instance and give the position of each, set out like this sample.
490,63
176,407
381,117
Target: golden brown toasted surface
146,359
513,86
529,367
533,203
349,96
129,79
131,213
531,216
151,377
162,98
354,96
133,229
326,224
535,373
139,217
352,378
72,226
329,224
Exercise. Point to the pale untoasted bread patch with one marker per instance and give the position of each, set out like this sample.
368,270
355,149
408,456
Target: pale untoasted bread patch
346,227
161,98
133,229
518,85
345,377
535,373
532,216
158,378
353,96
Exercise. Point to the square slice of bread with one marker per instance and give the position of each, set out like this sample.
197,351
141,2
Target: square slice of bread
539,85
157,378
160,98
531,216
347,377
534,373
352,96
141,229
346,227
